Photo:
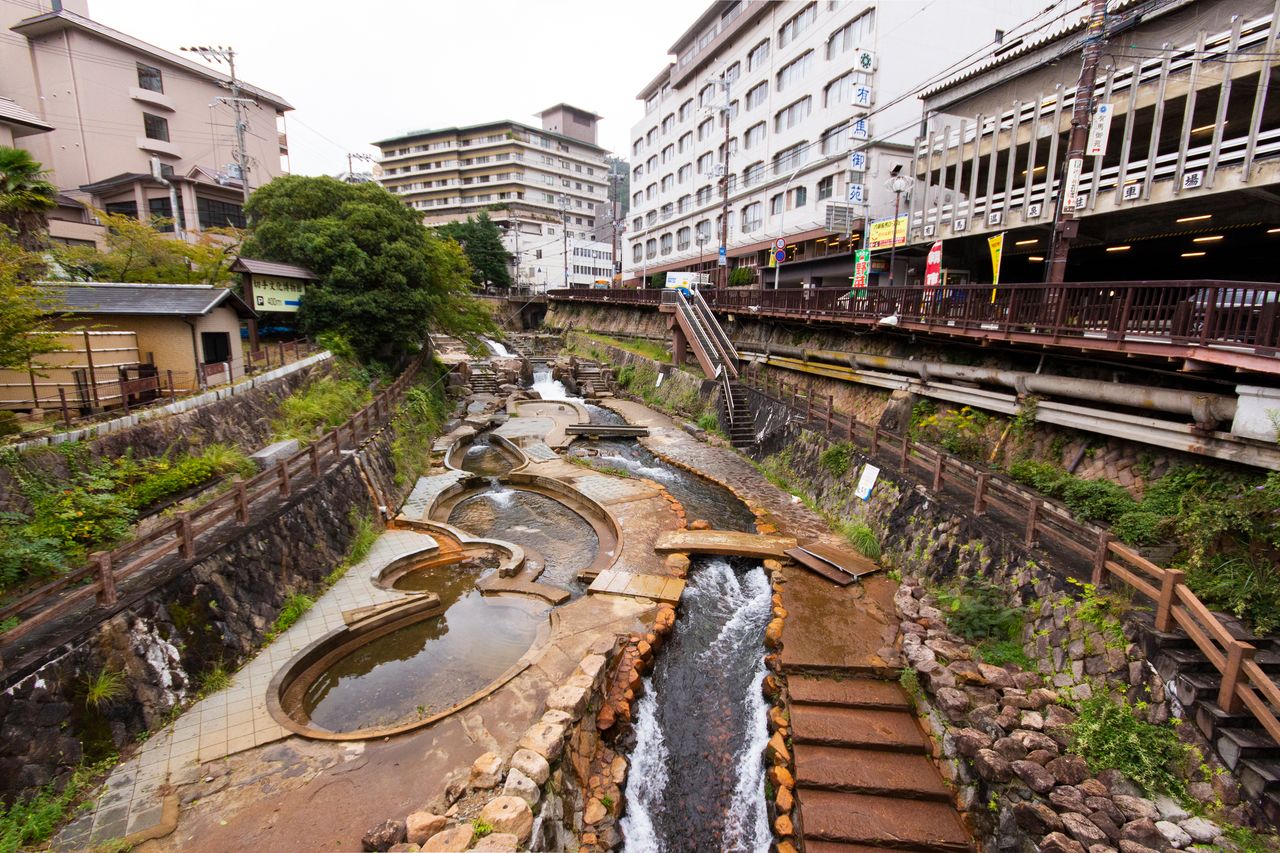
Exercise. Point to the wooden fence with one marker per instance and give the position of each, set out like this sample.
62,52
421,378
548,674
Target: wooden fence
1244,683
105,570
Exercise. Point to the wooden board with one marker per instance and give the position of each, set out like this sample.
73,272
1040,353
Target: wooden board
821,567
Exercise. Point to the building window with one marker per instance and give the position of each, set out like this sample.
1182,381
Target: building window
219,214
707,94
650,191
668,123
637,224
637,198
754,136
704,195
799,197
651,136
790,116
155,127
652,163
686,109
706,129
838,94
757,95
835,139
847,37
753,174
637,146
150,78
757,57
704,164
635,174
733,72
668,153
685,202
685,142
651,248
683,238
159,209
637,253
794,70
668,182
775,205
685,173
797,24
666,244
790,158
704,228
122,208
751,218
826,187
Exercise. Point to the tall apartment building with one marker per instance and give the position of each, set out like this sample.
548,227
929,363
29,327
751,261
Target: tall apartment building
109,102
541,185
790,78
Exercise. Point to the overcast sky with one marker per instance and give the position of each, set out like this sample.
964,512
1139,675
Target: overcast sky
356,72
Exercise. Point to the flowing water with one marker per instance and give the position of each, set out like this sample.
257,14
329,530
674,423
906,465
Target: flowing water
696,776
550,389
482,458
547,529
498,348
429,665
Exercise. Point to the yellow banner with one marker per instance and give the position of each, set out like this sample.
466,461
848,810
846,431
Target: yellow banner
883,232
996,244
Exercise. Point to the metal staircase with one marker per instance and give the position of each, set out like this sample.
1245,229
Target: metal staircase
718,358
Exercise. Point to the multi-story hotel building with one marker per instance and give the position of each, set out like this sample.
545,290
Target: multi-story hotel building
790,79
541,185
106,103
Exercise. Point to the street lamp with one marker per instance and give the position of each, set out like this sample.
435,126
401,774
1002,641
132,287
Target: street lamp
897,185
564,235
702,240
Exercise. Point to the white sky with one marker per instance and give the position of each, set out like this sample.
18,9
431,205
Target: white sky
356,72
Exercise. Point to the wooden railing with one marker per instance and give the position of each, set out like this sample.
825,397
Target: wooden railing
105,570
1205,312
1244,683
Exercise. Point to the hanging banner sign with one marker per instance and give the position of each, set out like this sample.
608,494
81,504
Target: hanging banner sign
888,232
1071,188
861,269
933,266
1099,130
996,244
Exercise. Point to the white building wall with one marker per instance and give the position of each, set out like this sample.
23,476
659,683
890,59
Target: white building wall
909,46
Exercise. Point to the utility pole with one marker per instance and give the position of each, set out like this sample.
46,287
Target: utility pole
515,224
219,54
724,183
351,171
564,235
1065,223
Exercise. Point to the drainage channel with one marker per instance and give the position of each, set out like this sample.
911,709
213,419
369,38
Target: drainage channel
697,774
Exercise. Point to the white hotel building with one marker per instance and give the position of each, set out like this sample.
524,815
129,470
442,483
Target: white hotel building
792,81
540,185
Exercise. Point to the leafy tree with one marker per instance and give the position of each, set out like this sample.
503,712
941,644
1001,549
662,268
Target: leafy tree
657,281
482,242
24,307
25,197
741,277
140,252
384,279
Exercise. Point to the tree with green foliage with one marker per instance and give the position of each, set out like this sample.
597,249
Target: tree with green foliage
24,307
657,281
25,197
480,238
742,277
384,280
141,252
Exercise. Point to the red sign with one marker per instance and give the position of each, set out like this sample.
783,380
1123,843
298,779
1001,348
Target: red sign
933,266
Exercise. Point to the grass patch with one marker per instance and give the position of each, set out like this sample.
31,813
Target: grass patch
481,828
1109,734
215,680
1004,652
321,405
1248,587
861,537
418,422
293,609
613,470
636,346
709,421
32,821
837,459
104,688
978,611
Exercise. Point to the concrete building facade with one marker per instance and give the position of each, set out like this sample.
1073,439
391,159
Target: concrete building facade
535,183
1184,184
114,102
792,78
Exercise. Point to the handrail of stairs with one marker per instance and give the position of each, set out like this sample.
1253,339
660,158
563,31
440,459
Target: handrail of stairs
727,351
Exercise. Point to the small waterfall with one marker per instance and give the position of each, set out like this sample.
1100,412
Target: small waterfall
697,767
498,348
548,388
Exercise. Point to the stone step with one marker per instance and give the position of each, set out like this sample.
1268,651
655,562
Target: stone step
1192,660
850,692
1209,718
869,771
1236,745
1258,776
875,821
896,731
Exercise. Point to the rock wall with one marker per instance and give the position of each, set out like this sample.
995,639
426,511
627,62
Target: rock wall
208,616
242,420
680,392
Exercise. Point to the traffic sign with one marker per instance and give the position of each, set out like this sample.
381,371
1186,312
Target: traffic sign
723,260
780,255
780,243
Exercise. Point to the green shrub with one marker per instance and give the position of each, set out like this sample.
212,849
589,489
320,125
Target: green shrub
215,680
293,609
1139,527
959,431
626,374
103,688
9,423
1108,734
26,823
168,479
861,537
1248,588
709,421
977,610
325,403
837,459
81,518
1097,500
1044,478
1002,652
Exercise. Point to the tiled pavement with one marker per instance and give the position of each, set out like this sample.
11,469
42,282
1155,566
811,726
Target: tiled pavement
426,491
234,719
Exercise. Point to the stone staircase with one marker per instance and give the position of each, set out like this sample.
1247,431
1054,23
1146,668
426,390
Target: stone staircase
592,383
742,433
864,778
483,380
1238,738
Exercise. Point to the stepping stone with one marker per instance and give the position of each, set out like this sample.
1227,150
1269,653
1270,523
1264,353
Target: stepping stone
881,821
864,727
852,692
869,771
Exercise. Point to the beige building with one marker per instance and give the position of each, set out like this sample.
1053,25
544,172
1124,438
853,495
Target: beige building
106,103
542,185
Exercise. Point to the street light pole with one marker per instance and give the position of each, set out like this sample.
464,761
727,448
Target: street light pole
702,242
897,186
564,236
782,231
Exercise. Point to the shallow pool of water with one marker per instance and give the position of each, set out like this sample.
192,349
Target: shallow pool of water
484,459
429,665
563,540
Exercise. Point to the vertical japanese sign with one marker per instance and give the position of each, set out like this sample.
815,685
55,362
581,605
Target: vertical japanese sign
1099,130
861,267
996,244
1071,186
933,267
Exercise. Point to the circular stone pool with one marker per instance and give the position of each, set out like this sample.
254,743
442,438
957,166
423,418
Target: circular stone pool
404,670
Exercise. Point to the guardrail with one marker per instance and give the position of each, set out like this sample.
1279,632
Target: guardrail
105,570
1206,312
1244,683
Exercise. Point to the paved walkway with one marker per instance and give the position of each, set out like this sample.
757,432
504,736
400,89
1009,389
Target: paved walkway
234,719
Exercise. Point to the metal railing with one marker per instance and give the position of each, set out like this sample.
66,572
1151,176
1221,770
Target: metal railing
1244,686
1209,312
105,570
